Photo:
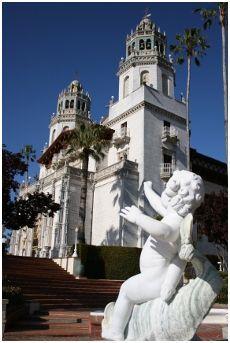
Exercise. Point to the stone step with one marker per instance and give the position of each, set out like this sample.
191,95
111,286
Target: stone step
68,295
39,325
63,332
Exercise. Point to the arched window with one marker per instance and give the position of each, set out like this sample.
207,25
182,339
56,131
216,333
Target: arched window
65,128
129,50
126,86
53,136
157,45
83,106
148,44
141,44
133,46
162,49
72,103
67,104
78,105
144,79
165,85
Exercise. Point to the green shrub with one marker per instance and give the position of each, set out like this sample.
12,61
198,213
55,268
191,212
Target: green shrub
109,262
223,296
12,293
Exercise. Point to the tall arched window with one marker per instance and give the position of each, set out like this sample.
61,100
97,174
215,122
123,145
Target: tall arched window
67,104
129,50
144,79
133,46
126,86
165,85
157,45
78,105
162,49
148,44
53,136
83,106
141,44
72,103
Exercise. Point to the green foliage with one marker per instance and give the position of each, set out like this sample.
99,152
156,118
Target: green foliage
109,262
12,165
209,15
190,44
21,212
24,212
28,153
223,296
89,140
12,293
212,217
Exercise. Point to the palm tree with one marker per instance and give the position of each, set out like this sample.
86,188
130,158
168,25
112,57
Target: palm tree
87,140
29,155
208,16
190,45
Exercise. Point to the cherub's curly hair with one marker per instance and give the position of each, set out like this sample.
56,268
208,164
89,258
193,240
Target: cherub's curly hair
177,193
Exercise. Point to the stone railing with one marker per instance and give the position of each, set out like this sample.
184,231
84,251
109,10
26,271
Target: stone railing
169,133
124,164
166,170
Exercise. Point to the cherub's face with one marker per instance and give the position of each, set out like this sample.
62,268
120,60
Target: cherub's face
180,190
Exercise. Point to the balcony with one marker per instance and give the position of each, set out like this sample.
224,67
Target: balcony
121,137
166,170
169,135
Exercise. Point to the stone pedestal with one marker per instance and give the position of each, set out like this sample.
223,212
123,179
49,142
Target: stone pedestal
95,320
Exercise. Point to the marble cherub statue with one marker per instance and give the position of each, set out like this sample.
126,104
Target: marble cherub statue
165,253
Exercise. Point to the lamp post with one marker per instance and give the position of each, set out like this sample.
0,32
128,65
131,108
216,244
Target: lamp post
76,241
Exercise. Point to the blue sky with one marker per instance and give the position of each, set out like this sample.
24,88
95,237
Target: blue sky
47,45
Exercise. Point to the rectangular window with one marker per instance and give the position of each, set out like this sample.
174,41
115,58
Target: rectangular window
165,87
166,123
167,158
124,128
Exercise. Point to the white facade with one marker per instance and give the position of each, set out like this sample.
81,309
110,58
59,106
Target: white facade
144,107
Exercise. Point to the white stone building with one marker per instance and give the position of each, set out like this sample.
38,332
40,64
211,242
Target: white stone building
150,141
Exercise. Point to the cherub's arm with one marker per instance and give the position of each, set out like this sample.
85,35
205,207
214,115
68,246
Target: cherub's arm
173,276
155,228
154,199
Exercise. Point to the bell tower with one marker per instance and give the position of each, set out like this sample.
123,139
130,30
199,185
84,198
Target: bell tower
73,105
146,61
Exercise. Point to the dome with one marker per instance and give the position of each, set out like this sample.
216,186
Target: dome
75,86
145,24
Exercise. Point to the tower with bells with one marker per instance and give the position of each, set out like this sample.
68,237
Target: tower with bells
73,104
61,178
150,139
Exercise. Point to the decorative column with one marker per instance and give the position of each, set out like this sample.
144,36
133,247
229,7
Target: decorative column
65,204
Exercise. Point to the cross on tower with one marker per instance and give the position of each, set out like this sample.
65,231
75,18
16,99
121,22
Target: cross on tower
146,14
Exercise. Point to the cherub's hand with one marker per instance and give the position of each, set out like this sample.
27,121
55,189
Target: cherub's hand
147,185
131,214
167,292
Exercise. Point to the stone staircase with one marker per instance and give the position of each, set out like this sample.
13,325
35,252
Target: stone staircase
65,301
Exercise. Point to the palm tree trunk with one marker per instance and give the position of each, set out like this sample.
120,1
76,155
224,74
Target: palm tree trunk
82,212
187,110
224,78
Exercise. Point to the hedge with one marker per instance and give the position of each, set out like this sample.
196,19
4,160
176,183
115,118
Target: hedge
223,296
109,262
11,292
